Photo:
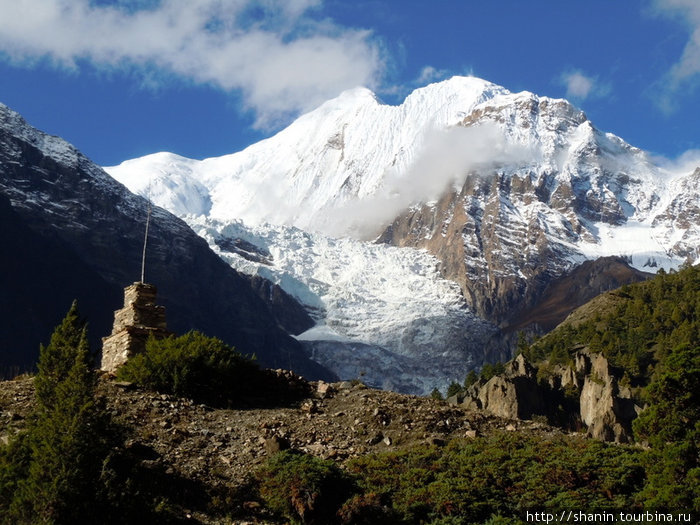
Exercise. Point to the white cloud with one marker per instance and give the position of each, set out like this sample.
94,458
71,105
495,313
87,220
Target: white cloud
431,74
687,68
280,57
577,84
446,159
684,164
580,86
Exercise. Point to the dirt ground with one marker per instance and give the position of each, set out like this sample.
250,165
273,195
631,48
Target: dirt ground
219,448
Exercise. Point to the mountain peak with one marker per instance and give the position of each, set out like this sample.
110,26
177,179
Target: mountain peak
13,124
471,83
348,100
464,91
358,93
10,120
354,164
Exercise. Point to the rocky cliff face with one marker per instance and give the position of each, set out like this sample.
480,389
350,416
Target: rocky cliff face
86,228
506,234
606,408
586,395
501,259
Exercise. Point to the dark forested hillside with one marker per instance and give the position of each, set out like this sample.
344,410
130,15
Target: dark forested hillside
635,327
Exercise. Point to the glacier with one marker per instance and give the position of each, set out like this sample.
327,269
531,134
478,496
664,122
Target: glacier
383,314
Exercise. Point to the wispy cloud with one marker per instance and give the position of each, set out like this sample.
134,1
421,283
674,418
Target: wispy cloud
431,74
445,159
686,71
684,164
580,86
277,54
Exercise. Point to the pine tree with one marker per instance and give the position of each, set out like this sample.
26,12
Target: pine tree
63,447
453,389
671,425
436,394
471,378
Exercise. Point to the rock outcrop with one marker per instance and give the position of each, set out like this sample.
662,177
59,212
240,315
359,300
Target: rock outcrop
514,394
585,395
606,408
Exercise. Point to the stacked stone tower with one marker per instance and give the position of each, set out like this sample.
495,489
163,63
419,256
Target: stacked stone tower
133,324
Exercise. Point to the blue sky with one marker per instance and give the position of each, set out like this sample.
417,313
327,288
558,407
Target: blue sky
124,78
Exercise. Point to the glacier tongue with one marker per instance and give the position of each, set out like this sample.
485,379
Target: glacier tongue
383,313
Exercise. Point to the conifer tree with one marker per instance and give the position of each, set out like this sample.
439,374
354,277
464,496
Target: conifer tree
671,425
436,394
453,389
62,449
471,378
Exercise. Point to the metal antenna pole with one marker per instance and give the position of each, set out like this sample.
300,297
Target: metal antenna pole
145,242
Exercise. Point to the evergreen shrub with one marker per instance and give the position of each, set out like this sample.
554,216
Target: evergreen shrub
195,366
303,488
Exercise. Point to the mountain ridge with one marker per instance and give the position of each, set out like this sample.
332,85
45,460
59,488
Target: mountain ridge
509,192
93,227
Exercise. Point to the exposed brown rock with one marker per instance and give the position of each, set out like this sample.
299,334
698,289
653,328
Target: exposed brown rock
605,408
500,265
510,270
512,395
573,289
590,389
275,444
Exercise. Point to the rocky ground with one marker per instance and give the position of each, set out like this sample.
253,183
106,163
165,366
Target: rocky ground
218,448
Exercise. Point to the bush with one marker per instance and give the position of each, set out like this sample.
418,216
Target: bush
366,509
303,488
195,366
496,478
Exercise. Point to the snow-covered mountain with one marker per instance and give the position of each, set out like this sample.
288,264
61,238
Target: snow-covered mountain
333,167
70,231
344,151
507,191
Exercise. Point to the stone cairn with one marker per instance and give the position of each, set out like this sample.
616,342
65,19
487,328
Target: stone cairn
133,324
